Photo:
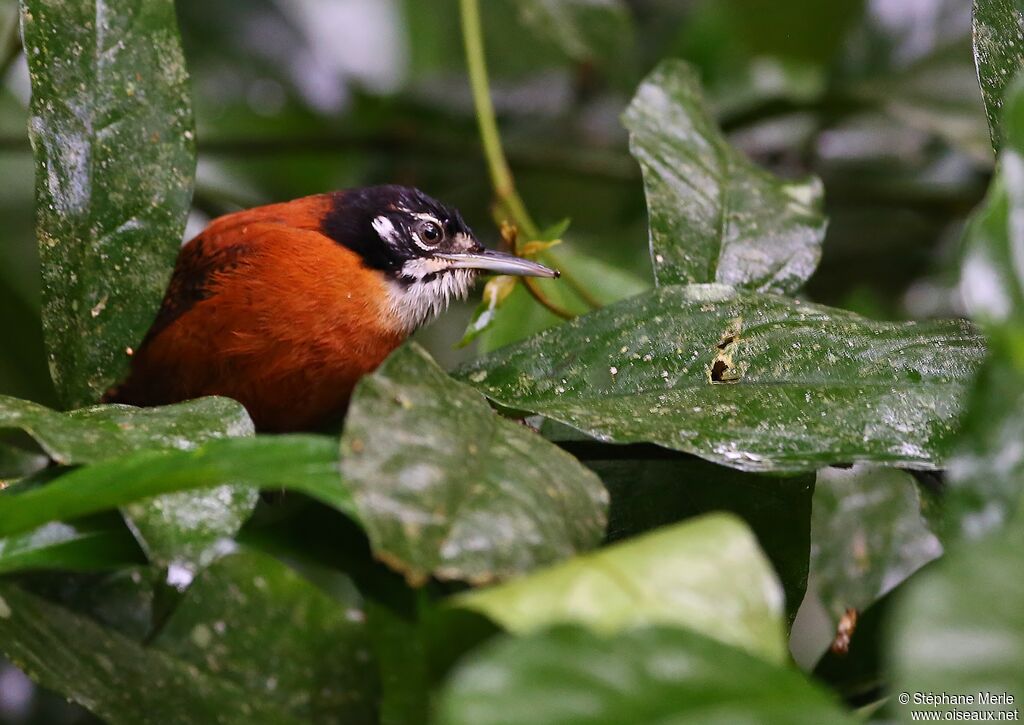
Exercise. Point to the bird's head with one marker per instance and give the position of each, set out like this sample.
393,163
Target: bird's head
424,248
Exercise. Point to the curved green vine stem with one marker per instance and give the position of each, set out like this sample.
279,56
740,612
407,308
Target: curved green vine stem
497,164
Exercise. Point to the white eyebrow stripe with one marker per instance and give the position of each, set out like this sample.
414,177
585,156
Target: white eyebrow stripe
428,218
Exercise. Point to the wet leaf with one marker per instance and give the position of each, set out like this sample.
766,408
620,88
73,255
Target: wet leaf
650,675
960,628
112,675
179,527
755,382
259,625
446,487
112,136
678,575
715,216
584,30
998,54
868,535
647,494
103,432
304,463
89,545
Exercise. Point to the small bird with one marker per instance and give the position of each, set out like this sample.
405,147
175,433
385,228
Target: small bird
284,307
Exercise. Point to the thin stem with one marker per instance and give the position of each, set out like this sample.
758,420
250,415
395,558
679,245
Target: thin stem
497,164
538,294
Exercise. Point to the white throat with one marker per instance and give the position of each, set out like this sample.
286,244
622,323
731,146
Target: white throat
432,288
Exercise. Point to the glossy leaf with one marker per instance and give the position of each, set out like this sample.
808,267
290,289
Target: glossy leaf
302,462
868,535
714,215
80,546
258,624
651,675
112,675
584,30
179,527
446,487
113,140
798,385
998,54
103,432
960,628
647,494
678,575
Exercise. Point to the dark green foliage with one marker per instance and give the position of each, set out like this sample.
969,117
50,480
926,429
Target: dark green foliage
607,520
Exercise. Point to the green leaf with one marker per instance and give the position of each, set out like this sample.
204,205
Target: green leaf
714,215
678,575
986,474
650,675
187,528
299,462
80,546
992,276
801,385
960,628
584,30
868,535
103,432
180,527
112,675
258,624
646,494
998,54
446,487
112,135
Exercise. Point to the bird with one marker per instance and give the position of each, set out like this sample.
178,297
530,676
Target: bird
284,307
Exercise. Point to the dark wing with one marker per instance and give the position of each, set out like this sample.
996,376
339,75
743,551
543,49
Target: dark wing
192,281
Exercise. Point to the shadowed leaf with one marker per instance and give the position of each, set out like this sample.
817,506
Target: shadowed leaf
112,135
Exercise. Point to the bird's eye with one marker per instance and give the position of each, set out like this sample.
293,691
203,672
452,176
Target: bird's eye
431,232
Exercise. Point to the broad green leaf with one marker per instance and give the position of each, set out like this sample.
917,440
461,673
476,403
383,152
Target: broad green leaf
300,462
103,432
652,675
646,494
715,216
179,527
998,54
446,487
113,139
258,624
114,676
868,535
986,473
584,30
756,382
681,575
79,546
960,628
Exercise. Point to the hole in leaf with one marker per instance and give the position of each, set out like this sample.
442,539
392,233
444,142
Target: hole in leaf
718,369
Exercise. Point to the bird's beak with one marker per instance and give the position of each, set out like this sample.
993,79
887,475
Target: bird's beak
497,262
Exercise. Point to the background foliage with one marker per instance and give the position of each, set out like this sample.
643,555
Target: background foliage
771,214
